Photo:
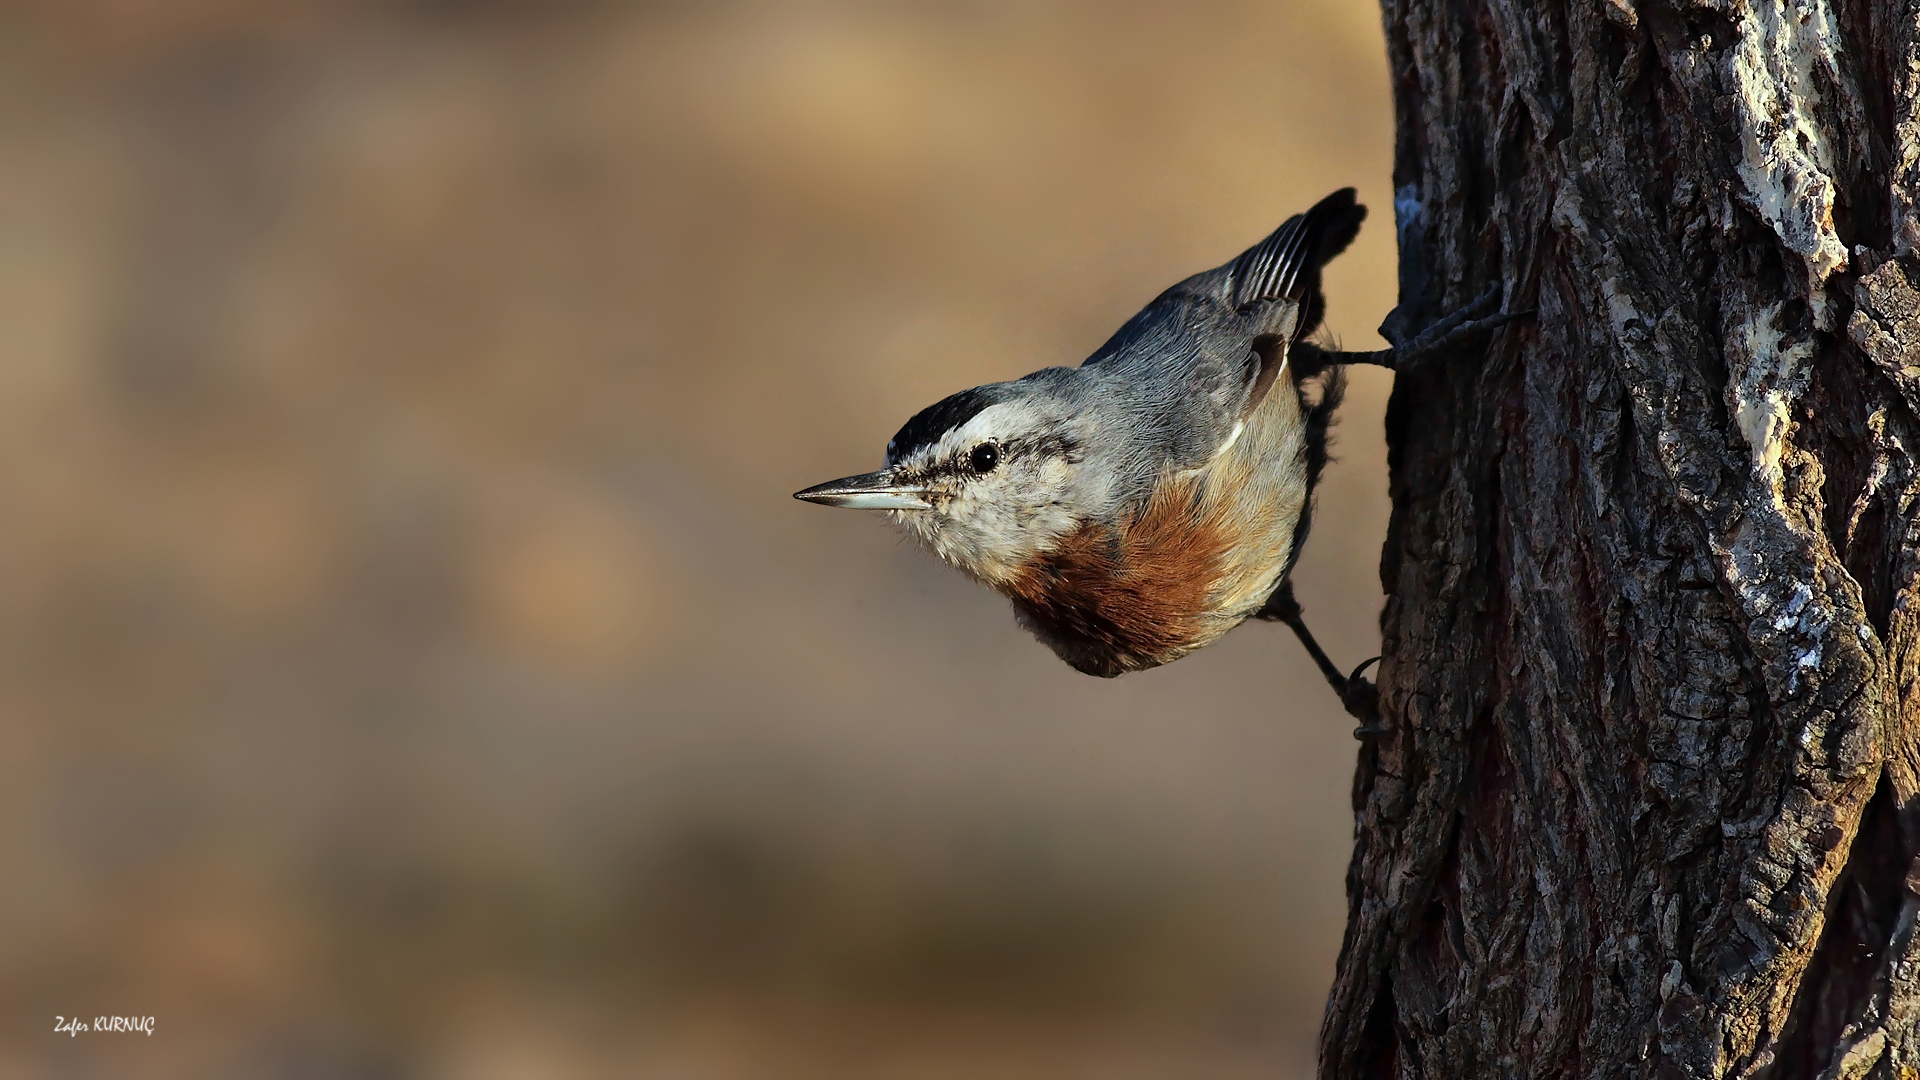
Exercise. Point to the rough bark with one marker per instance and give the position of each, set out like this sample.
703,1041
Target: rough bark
1650,805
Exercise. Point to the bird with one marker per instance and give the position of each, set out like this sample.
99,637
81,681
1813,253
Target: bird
1138,507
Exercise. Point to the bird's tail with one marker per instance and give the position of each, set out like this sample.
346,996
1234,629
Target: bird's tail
1286,265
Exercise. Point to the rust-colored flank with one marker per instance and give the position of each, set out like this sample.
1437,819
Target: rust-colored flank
1117,598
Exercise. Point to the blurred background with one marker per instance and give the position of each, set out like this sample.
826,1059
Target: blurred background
412,663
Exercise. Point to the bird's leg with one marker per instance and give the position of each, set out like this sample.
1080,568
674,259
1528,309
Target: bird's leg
1360,697
1480,317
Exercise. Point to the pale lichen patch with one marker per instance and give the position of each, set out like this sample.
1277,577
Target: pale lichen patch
1769,373
1786,162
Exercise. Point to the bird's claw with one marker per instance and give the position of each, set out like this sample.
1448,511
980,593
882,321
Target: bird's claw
1357,695
1361,697
1475,319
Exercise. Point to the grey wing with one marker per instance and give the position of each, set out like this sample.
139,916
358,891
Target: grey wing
1166,399
1184,367
1272,287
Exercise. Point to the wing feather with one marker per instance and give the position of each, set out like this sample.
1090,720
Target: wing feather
1285,266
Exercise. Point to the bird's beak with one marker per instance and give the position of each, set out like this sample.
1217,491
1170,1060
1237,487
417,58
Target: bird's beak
869,491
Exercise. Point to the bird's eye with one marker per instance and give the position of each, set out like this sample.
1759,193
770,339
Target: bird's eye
984,457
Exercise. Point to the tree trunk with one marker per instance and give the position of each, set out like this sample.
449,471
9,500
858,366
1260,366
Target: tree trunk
1650,803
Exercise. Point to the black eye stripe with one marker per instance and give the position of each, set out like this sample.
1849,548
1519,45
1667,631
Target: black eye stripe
963,462
1061,446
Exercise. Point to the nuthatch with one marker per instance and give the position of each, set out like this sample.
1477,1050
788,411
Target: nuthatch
1139,506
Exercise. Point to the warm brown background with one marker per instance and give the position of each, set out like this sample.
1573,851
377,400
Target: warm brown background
411,661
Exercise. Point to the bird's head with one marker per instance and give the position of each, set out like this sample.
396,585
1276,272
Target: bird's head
987,479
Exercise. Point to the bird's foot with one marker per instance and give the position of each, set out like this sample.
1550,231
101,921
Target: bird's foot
1479,318
1473,322
1358,695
